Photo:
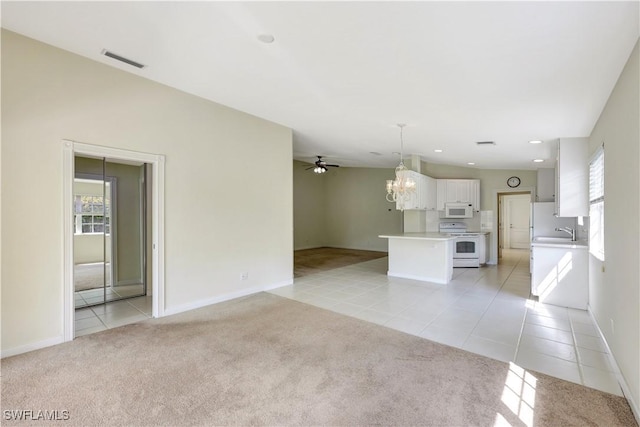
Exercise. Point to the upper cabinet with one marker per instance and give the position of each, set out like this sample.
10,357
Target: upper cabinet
432,193
424,198
458,190
572,177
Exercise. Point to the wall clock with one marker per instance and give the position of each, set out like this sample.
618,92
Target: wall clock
513,182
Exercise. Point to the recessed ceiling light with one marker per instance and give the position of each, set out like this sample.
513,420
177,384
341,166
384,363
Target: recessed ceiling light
535,141
486,143
397,153
437,150
266,38
538,160
470,163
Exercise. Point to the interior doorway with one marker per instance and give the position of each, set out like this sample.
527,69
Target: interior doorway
151,268
514,221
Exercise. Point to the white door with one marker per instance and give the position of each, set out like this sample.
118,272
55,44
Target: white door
517,221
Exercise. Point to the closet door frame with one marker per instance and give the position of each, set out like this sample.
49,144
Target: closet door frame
157,161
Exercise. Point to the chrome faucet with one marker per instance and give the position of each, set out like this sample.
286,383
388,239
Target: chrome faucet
569,230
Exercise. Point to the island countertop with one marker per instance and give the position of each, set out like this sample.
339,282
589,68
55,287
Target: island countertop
421,236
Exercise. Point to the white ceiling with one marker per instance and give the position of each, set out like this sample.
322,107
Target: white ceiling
342,74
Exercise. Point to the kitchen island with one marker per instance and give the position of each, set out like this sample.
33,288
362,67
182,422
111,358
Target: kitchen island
421,256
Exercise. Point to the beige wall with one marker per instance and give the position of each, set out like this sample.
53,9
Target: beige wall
90,248
343,208
309,202
214,230
614,295
357,211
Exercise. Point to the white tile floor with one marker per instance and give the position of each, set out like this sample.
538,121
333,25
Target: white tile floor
89,297
118,313
485,311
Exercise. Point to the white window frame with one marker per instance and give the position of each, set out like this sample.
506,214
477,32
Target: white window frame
597,204
80,215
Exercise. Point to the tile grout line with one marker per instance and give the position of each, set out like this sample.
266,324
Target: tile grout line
492,300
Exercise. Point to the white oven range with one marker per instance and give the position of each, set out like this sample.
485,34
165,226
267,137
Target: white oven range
466,249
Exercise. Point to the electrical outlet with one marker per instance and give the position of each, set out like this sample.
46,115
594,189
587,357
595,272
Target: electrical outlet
244,275
613,329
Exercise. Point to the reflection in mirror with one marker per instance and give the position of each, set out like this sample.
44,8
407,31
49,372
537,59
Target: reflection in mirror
109,231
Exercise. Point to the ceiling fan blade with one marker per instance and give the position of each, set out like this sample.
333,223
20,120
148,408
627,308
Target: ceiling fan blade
310,167
333,166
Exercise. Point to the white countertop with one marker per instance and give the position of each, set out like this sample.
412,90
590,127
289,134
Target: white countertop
578,244
420,236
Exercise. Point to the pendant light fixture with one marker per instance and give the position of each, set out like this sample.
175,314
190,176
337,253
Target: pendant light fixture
399,190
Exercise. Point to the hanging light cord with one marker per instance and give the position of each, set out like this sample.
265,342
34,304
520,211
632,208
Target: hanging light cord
401,126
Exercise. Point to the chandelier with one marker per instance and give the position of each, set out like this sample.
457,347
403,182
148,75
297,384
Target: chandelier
400,189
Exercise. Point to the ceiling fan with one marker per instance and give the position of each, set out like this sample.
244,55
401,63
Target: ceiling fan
321,166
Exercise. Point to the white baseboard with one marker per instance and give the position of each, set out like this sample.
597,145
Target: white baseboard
225,297
31,347
623,383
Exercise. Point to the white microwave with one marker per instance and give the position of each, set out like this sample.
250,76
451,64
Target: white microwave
458,210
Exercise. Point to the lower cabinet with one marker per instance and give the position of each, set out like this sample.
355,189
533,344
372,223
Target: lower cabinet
559,275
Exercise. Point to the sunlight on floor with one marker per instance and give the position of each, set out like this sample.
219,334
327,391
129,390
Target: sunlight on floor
519,393
555,276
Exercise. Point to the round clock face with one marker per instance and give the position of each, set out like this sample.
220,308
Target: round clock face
513,182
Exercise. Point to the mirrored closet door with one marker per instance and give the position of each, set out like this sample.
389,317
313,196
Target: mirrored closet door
109,244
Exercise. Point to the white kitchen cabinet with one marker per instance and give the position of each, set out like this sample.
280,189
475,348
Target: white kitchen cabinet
475,194
572,177
458,191
424,198
431,193
441,196
560,275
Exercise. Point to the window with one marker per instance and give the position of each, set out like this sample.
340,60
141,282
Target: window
92,214
596,204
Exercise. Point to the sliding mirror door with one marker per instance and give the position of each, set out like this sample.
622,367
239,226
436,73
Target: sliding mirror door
110,231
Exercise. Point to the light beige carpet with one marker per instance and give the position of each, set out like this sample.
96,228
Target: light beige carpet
311,261
266,360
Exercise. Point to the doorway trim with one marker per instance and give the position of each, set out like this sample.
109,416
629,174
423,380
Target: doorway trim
495,226
70,150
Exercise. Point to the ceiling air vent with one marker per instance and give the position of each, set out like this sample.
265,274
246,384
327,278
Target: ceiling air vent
117,57
486,143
